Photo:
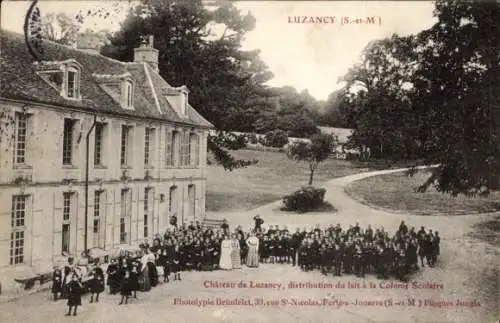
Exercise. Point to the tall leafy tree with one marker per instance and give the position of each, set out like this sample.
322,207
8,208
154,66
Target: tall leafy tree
436,95
226,82
378,98
458,96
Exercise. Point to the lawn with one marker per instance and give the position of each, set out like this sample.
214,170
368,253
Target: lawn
396,192
267,181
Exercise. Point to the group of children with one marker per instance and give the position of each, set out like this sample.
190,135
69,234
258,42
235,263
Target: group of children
195,247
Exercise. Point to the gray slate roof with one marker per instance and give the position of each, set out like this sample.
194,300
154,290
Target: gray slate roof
19,81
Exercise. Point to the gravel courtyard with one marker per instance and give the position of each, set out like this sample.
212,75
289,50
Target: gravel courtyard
466,271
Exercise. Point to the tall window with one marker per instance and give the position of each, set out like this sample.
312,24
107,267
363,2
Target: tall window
129,94
147,191
66,206
98,143
194,150
72,83
20,138
176,146
191,201
69,125
148,135
66,224
124,152
169,151
97,218
124,214
18,218
173,200
184,149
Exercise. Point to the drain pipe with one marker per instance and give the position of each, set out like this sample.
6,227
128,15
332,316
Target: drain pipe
87,184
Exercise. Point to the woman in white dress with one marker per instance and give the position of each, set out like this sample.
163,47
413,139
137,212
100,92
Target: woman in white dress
253,251
235,254
225,254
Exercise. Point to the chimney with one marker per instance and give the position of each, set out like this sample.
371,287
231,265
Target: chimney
88,42
146,53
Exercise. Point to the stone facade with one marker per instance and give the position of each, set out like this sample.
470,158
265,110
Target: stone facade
146,158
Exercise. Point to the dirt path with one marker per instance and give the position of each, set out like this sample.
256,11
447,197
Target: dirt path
466,269
467,266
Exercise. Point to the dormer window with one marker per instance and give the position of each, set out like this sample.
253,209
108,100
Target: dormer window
184,102
128,89
127,94
63,76
177,97
72,83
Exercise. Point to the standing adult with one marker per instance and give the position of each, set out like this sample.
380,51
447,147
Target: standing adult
243,248
258,223
235,252
225,257
253,251
173,220
225,227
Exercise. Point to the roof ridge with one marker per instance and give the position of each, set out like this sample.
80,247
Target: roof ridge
150,82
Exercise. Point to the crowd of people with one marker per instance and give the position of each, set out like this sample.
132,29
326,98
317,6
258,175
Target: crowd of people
331,249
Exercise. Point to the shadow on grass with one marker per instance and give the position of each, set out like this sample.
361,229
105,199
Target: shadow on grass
324,207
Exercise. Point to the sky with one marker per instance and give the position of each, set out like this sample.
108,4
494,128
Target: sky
311,56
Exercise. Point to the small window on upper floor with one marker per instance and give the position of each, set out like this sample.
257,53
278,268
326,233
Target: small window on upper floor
184,100
72,83
128,94
63,77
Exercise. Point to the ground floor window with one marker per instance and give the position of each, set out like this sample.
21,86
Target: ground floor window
146,226
123,231
17,223
17,247
65,237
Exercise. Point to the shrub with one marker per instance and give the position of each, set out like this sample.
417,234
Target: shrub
276,138
306,199
252,138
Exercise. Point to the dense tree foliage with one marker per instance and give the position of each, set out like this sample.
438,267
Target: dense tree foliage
435,96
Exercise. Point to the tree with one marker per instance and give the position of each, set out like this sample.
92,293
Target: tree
458,96
60,27
313,152
436,96
377,99
225,81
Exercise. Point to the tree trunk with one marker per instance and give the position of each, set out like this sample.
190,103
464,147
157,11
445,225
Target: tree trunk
311,175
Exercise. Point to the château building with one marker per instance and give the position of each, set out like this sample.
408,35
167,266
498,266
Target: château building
146,151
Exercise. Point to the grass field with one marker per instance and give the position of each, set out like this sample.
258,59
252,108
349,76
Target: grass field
395,192
274,176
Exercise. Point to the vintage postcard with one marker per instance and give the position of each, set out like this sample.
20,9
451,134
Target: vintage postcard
250,161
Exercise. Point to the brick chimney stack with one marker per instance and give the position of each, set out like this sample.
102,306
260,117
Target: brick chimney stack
146,53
